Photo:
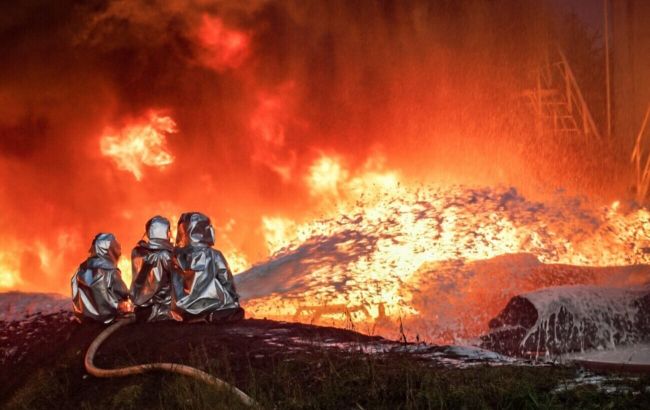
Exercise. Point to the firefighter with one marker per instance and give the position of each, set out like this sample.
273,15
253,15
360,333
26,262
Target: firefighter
98,292
152,265
203,285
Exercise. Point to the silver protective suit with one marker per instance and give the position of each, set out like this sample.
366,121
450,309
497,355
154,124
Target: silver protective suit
97,286
203,283
152,265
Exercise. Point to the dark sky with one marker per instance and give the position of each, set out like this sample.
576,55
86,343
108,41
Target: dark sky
589,11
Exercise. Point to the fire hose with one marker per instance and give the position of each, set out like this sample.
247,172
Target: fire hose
143,368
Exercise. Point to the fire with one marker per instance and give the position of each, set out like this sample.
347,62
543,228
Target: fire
9,271
374,260
140,144
325,175
278,232
22,264
223,47
328,178
124,265
237,261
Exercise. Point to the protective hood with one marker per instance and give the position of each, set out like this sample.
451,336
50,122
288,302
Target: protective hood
158,228
106,247
151,264
194,229
97,287
203,283
158,234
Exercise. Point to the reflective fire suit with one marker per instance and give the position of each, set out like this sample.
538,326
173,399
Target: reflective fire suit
203,286
97,287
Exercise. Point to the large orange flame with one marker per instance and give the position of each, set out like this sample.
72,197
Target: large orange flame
140,144
415,254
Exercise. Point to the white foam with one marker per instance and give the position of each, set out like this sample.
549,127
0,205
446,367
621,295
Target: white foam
609,313
632,354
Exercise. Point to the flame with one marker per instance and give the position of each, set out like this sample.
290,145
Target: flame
24,264
325,175
9,271
237,261
223,47
124,265
278,232
374,259
140,144
328,178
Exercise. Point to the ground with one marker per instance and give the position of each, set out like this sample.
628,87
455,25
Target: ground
284,366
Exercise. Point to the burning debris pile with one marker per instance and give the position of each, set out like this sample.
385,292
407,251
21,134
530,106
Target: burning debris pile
438,264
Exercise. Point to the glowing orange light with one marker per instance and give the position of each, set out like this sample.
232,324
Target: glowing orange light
268,126
9,272
124,264
140,144
325,175
237,261
224,48
410,243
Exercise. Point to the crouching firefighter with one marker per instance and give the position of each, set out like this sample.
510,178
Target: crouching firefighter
152,265
98,292
203,286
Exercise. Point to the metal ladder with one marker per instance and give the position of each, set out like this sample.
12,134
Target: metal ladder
558,104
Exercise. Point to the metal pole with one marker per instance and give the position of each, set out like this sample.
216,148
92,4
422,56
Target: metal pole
607,86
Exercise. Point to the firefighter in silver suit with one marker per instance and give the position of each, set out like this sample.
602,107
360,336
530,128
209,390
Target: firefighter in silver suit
203,285
152,265
98,292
